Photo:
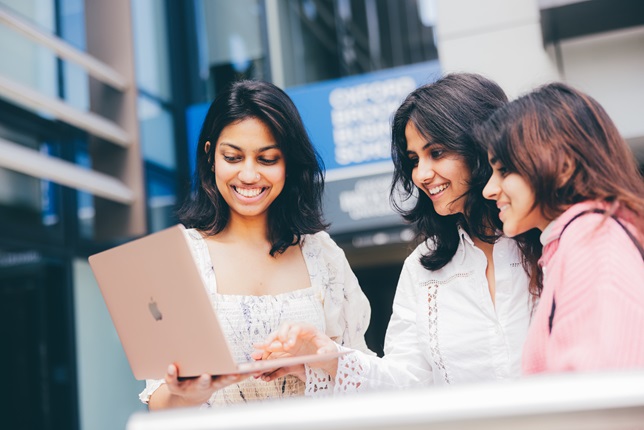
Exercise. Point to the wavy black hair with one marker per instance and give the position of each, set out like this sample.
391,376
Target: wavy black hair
298,208
445,111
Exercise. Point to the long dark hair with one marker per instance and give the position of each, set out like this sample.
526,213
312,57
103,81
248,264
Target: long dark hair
556,128
445,111
298,208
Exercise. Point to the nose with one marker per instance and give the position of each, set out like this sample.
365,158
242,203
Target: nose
425,170
492,188
248,173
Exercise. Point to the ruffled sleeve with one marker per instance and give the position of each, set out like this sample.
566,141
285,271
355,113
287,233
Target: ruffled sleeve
346,308
151,386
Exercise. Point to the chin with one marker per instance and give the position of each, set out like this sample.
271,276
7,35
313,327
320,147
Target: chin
512,231
509,231
443,212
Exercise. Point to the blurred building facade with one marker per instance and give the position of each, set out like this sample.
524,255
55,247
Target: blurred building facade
99,101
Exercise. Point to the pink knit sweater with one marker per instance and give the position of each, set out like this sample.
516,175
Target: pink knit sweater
597,277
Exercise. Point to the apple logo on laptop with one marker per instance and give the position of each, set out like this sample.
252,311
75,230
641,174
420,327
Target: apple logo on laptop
154,310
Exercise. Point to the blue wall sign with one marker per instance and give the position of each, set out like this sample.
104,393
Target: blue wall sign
349,119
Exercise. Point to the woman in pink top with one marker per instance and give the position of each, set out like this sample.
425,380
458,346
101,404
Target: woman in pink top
560,165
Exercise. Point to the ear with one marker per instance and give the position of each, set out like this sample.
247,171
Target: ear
206,148
567,171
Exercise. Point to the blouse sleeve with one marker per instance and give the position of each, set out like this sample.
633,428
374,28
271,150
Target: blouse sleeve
404,364
346,308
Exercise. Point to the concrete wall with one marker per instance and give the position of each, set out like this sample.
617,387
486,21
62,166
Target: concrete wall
502,39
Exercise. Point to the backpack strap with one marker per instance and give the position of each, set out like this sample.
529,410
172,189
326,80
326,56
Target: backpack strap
597,211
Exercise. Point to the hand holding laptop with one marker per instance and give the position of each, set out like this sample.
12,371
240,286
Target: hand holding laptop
191,391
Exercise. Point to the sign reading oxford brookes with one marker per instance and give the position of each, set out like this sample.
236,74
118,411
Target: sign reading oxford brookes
349,121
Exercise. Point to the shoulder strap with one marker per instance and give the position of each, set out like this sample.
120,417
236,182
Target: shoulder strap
597,211
637,244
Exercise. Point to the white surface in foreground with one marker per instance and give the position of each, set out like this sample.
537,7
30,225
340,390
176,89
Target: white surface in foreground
580,401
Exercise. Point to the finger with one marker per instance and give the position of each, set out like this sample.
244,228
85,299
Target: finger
262,345
203,382
292,336
271,337
226,380
327,348
303,332
288,338
171,377
270,376
275,346
283,331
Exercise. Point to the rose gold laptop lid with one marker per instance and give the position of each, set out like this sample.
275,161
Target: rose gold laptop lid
161,310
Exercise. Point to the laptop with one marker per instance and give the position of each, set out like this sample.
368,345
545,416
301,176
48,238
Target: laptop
162,313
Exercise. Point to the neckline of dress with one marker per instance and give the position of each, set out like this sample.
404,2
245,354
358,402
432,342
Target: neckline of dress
300,292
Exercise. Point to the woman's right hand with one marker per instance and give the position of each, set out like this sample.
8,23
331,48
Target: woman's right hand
299,339
189,392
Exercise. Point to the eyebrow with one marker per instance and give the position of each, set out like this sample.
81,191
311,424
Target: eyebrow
493,160
425,146
265,148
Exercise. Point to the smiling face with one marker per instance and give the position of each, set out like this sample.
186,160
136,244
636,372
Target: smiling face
440,174
250,170
515,199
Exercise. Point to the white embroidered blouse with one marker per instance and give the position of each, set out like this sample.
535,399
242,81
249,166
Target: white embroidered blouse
334,303
445,329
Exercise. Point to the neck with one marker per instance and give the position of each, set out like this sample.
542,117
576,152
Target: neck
249,230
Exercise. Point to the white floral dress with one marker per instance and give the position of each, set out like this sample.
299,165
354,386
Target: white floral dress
334,303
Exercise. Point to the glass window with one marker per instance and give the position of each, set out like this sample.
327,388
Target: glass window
157,133
162,199
151,47
324,39
26,200
232,45
158,149
31,64
86,211
72,30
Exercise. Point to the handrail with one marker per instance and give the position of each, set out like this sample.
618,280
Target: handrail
94,67
87,121
20,159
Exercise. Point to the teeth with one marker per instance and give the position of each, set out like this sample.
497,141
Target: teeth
438,189
504,207
249,192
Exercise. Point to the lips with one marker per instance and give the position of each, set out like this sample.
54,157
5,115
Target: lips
437,189
502,208
249,192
